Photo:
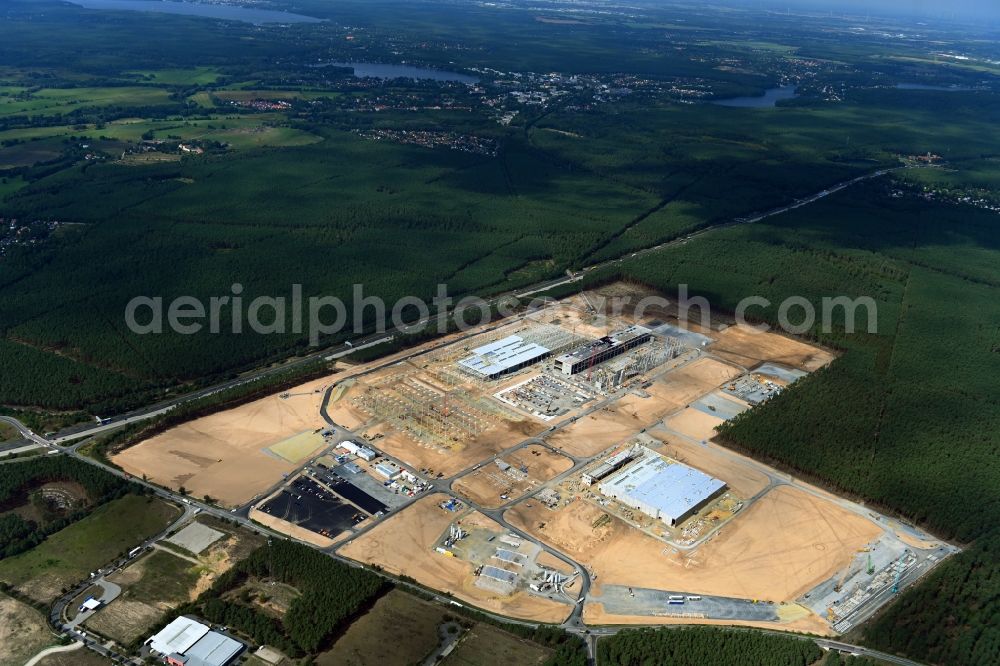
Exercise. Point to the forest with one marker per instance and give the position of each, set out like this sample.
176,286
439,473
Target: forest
704,646
952,617
331,594
906,419
922,434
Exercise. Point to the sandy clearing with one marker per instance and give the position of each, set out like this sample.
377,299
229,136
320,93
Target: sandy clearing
593,433
343,413
594,614
693,423
671,392
551,561
486,484
403,544
222,455
779,548
22,631
491,442
744,345
736,470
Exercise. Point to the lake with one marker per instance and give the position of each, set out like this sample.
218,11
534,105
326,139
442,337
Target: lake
769,99
384,71
923,86
226,12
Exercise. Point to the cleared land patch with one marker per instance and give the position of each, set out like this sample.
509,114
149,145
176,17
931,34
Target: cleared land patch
779,548
195,537
404,544
23,632
222,455
491,485
485,645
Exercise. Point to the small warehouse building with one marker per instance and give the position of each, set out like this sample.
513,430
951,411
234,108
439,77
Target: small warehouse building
663,489
359,450
187,642
503,357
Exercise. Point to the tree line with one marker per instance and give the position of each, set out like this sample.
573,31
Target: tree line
704,646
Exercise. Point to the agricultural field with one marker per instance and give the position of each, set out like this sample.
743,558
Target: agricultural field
415,630
62,101
484,645
68,556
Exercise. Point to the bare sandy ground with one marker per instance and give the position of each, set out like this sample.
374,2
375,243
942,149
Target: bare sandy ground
403,544
222,454
612,425
491,442
693,423
551,561
594,433
779,548
743,345
343,412
22,631
291,529
712,459
807,622
485,485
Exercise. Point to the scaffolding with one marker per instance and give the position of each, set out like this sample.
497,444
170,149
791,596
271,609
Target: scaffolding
618,371
430,415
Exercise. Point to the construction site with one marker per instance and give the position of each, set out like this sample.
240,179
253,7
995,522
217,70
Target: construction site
562,463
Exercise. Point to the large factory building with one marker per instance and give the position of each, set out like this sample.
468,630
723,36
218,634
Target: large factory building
503,357
665,490
608,347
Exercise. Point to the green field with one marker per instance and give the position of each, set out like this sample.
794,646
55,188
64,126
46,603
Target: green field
69,556
8,432
61,101
166,579
414,624
194,76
